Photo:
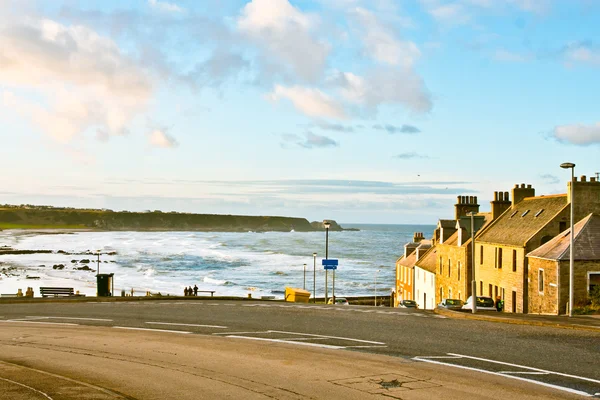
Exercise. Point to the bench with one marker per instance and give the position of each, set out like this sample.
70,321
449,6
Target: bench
212,292
56,291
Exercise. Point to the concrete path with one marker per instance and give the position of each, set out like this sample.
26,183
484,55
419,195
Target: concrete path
81,362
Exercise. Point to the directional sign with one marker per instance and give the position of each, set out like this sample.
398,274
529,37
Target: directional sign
330,261
330,267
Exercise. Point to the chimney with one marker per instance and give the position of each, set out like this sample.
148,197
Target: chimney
500,204
519,193
409,248
465,205
587,196
417,237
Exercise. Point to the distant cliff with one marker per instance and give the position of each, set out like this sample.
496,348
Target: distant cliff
49,217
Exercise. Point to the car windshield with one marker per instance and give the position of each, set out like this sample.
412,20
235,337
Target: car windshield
409,302
485,302
451,302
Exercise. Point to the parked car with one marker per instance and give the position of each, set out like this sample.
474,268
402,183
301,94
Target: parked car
483,303
408,304
339,301
451,304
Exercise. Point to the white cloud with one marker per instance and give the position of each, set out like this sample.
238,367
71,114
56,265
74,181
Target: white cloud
578,134
164,6
582,53
68,79
381,43
310,101
160,138
285,35
385,86
449,13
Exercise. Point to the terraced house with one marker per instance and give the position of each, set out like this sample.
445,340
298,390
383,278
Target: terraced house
501,248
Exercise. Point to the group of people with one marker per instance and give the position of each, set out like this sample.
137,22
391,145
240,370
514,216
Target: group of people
189,291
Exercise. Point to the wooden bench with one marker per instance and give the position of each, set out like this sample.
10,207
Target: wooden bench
56,291
212,292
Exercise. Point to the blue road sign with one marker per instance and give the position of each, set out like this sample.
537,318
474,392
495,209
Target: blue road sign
330,267
330,261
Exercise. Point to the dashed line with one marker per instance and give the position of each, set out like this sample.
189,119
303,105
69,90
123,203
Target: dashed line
71,318
197,325
329,337
39,322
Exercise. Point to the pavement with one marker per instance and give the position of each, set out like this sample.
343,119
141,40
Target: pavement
582,322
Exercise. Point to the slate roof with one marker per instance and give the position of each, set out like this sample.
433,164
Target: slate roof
586,242
428,261
519,223
408,261
452,240
447,223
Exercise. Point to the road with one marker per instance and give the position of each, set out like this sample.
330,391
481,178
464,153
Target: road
565,360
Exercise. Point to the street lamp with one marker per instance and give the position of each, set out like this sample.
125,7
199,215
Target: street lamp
473,281
568,165
376,272
314,277
304,286
326,224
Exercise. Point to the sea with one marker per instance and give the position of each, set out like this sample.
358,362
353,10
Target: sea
231,264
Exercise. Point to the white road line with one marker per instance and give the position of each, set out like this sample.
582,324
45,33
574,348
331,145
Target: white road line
360,347
28,387
326,346
432,357
39,322
75,318
506,376
524,372
529,368
237,333
148,329
198,325
330,337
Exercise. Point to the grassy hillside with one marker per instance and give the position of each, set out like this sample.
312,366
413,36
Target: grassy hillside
37,217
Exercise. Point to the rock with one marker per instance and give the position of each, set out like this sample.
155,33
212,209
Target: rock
58,266
85,261
84,268
61,252
112,253
73,261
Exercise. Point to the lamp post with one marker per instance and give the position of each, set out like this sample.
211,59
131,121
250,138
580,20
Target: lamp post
326,224
376,272
304,286
314,277
568,165
473,281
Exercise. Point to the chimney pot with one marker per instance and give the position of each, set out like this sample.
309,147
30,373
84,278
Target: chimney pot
475,199
592,179
528,186
522,186
583,178
471,200
457,199
506,198
495,196
516,185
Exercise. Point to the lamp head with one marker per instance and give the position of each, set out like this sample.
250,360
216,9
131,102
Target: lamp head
567,165
314,254
326,224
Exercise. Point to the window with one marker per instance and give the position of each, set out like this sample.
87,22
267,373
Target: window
525,213
594,280
441,266
449,267
490,286
441,294
459,270
539,212
541,281
481,255
500,258
481,288
562,226
495,257
514,261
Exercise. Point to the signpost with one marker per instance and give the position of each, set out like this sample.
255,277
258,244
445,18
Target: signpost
330,264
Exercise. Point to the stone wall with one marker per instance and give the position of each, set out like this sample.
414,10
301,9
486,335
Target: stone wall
544,301
489,273
580,272
450,284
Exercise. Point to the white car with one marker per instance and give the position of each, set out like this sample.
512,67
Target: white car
483,304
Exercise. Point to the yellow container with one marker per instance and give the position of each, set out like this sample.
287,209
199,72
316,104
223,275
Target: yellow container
296,295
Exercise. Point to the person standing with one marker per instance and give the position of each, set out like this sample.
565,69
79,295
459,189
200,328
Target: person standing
195,290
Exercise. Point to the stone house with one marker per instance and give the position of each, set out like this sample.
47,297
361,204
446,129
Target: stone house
501,247
549,267
405,267
424,286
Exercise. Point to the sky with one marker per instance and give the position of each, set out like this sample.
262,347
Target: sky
364,111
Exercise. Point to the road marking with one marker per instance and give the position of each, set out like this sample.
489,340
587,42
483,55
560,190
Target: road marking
198,325
529,368
28,387
329,337
39,322
524,372
75,318
326,346
236,333
360,347
148,329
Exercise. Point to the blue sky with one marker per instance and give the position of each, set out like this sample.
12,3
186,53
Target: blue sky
375,111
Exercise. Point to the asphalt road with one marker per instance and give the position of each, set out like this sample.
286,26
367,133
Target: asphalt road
568,360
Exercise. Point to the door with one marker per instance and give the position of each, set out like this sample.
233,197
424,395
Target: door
425,300
514,301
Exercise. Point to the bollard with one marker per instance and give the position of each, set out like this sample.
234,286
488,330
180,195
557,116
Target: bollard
19,292
249,295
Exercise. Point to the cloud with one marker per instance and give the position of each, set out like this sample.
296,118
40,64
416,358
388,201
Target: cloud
508,56
578,134
285,35
550,179
335,127
309,141
381,43
384,86
83,80
218,69
582,52
160,138
164,6
397,129
409,156
453,13
311,102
